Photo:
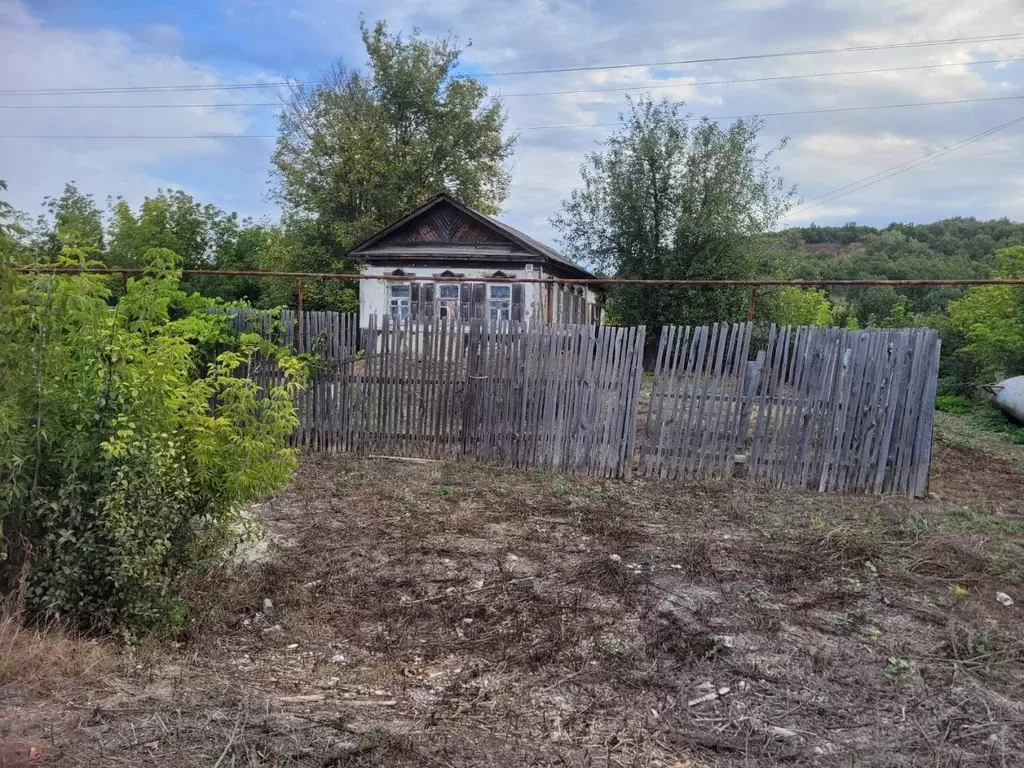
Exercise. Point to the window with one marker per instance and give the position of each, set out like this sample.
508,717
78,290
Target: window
500,302
400,299
447,300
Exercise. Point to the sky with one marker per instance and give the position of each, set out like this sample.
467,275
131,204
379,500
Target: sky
49,44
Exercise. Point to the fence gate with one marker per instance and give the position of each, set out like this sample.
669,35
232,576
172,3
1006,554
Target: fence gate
821,408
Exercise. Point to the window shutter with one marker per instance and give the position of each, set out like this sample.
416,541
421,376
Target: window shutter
428,300
465,290
479,301
414,301
517,301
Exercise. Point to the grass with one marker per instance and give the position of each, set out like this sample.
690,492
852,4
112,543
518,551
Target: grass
46,659
991,419
982,428
953,404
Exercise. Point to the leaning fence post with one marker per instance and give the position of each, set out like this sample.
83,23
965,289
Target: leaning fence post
752,303
299,331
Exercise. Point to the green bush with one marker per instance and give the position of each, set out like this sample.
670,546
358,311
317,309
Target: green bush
953,404
991,319
802,306
128,445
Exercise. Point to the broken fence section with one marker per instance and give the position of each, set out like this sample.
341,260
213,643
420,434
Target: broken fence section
823,408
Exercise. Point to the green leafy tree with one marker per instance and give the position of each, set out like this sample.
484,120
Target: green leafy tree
801,306
10,229
363,148
204,236
665,199
73,222
128,444
296,246
991,318
173,220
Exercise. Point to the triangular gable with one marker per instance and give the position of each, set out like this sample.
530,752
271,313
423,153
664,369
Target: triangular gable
441,221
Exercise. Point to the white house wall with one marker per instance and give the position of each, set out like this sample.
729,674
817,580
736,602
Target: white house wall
374,295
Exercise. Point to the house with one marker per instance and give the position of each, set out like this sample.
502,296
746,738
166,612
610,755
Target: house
444,238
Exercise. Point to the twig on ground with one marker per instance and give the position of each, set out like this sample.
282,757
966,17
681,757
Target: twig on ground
406,458
231,740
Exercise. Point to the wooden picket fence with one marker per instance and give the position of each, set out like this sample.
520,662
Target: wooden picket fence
822,408
326,334
561,397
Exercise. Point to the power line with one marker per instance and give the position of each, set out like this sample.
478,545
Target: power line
662,84
759,56
795,112
831,110
144,106
145,136
896,170
550,70
650,86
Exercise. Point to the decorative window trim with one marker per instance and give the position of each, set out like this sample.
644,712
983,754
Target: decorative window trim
500,307
400,306
447,306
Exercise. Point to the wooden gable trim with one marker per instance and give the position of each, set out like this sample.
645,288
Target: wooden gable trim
462,208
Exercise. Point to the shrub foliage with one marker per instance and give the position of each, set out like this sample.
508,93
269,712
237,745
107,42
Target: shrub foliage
128,444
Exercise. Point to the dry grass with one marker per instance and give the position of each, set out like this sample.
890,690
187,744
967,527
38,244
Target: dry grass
459,615
41,665
45,659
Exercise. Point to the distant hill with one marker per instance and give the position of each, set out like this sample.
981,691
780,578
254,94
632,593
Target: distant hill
947,249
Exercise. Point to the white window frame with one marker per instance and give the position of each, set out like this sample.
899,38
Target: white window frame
499,308
449,304
399,306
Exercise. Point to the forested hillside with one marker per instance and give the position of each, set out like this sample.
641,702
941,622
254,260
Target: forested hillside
948,249
981,327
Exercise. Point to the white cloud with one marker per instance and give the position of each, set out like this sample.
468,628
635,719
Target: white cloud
826,151
36,56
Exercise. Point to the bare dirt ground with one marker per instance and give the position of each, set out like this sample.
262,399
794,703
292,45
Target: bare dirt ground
459,615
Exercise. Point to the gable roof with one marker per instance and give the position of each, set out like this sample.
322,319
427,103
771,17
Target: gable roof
543,252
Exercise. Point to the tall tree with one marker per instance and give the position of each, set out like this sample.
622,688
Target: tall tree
171,219
667,200
75,225
201,235
11,249
361,149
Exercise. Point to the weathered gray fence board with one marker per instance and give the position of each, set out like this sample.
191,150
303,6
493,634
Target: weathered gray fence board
558,396
825,408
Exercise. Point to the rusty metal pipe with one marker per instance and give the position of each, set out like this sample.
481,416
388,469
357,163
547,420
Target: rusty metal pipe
561,280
